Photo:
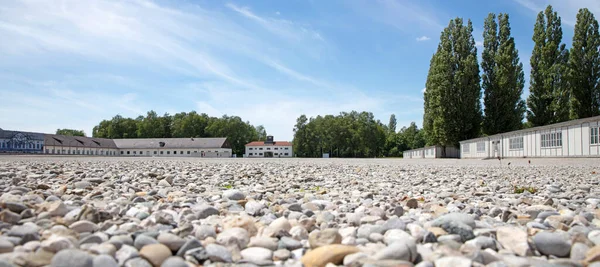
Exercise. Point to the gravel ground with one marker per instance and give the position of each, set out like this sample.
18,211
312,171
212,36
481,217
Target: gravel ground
87,211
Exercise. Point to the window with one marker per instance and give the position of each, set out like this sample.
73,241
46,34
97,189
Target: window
276,154
188,153
168,152
249,154
249,148
276,148
268,148
121,152
141,152
127,152
515,143
260,148
154,153
174,152
260,154
161,152
551,140
287,148
481,147
465,148
286,154
134,152
594,136
181,152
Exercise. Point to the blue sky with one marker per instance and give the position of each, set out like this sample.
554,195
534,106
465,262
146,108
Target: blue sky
70,64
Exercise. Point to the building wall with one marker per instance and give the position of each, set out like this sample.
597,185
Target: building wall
431,152
179,152
565,141
65,150
255,151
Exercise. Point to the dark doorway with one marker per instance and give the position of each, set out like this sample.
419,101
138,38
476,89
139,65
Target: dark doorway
268,154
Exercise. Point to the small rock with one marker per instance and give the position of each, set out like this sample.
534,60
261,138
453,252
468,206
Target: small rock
6,246
155,253
8,216
204,211
257,255
405,249
164,183
281,255
104,261
453,261
125,253
137,262
552,243
188,245
514,239
143,240
327,254
412,203
233,194
218,253
174,262
325,237
72,258
83,226
57,208
234,236
173,242
204,231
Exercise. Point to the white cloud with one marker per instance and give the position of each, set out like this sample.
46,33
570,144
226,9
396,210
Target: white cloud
567,10
401,14
423,38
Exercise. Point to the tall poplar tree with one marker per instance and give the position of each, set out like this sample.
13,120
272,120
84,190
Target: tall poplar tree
584,67
503,78
453,94
548,101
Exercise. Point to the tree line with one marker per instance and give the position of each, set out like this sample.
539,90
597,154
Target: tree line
182,125
564,84
353,134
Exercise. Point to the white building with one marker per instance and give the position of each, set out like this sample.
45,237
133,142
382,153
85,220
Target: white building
576,138
174,147
431,152
269,149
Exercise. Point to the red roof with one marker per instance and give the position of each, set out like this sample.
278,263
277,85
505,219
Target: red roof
262,143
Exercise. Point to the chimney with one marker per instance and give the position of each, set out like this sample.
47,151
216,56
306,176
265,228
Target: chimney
269,140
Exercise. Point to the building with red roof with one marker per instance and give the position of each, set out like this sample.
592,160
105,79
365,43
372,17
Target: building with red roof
269,149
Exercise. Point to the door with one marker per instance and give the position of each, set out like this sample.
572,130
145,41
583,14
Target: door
268,154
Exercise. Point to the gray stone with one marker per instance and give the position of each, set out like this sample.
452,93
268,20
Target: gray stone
72,258
405,249
104,261
398,211
281,254
8,216
174,262
142,240
199,254
458,228
173,242
394,235
6,246
514,239
204,231
555,244
15,207
137,262
578,251
125,253
83,226
594,236
254,208
218,253
164,183
483,242
454,217
82,185
188,245
264,242
203,211
289,243
233,194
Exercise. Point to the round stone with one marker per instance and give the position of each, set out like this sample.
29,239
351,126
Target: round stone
72,258
555,244
155,253
174,262
104,261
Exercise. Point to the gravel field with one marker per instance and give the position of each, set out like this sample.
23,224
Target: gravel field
91,211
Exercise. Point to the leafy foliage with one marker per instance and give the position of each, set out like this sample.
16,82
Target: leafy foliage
70,132
584,67
181,125
548,101
502,79
352,134
452,96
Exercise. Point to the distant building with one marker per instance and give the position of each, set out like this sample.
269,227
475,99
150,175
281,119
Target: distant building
576,138
269,149
175,147
431,152
16,142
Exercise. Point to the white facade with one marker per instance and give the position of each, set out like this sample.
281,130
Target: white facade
266,151
176,152
577,138
431,152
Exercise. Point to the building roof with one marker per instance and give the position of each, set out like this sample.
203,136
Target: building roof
144,143
77,141
7,134
539,128
275,143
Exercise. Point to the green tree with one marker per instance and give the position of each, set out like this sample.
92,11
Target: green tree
392,124
548,101
262,133
584,67
70,132
453,94
502,79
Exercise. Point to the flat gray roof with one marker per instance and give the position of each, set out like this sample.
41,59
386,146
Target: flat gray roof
538,128
149,143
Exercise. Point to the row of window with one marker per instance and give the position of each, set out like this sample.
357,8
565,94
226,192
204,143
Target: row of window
260,154
21,146
551,140
80,152
268,148
515,143
162,152
594,136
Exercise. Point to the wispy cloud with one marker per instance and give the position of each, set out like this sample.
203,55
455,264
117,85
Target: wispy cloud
402,14
567,10
423,38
